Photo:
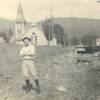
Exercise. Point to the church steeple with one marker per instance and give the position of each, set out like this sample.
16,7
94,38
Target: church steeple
20,15
19,24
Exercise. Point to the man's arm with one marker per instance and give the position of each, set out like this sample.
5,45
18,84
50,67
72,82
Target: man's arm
31,51
22,53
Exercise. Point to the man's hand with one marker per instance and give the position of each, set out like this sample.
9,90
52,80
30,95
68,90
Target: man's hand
24,55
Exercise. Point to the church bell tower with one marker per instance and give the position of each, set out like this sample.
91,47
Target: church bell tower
19,24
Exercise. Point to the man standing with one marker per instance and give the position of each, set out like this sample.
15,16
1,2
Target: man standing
27,54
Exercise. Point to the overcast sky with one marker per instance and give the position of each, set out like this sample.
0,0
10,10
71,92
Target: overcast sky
35,10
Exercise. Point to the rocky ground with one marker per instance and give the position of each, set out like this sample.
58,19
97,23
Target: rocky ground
61,78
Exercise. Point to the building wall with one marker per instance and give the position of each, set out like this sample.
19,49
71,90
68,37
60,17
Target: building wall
37,36
19,30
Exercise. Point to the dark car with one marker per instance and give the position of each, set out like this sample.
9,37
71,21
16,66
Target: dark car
87,49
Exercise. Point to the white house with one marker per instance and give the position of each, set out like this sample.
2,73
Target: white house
98,41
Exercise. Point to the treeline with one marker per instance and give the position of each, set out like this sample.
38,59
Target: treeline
65,39
57,30
86,40
6,35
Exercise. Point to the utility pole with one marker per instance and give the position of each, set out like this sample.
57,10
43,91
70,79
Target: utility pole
51,25
64,40
58,37
69,41
47,23
49,33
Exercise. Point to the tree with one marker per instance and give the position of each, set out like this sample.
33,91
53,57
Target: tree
47,28
75,41
89,40
58,31
6,35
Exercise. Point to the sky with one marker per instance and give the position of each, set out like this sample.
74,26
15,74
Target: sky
35,10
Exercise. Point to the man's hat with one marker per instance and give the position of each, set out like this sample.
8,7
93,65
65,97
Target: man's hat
26,38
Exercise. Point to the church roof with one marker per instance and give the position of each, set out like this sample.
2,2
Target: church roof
32,25
20,15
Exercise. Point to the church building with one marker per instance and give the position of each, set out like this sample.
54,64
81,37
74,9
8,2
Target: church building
24,28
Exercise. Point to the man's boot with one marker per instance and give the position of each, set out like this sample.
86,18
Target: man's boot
28,86
38,85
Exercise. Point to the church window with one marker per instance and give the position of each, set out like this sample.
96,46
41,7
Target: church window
33,33
36,38
20,31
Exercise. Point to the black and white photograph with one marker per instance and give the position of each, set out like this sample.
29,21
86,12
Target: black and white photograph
49,49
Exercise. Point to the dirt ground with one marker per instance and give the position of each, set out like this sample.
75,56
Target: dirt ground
81,81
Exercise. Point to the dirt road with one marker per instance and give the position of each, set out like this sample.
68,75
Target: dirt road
81,81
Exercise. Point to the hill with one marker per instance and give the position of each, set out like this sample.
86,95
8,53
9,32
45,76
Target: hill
79,26
6,23
73,26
